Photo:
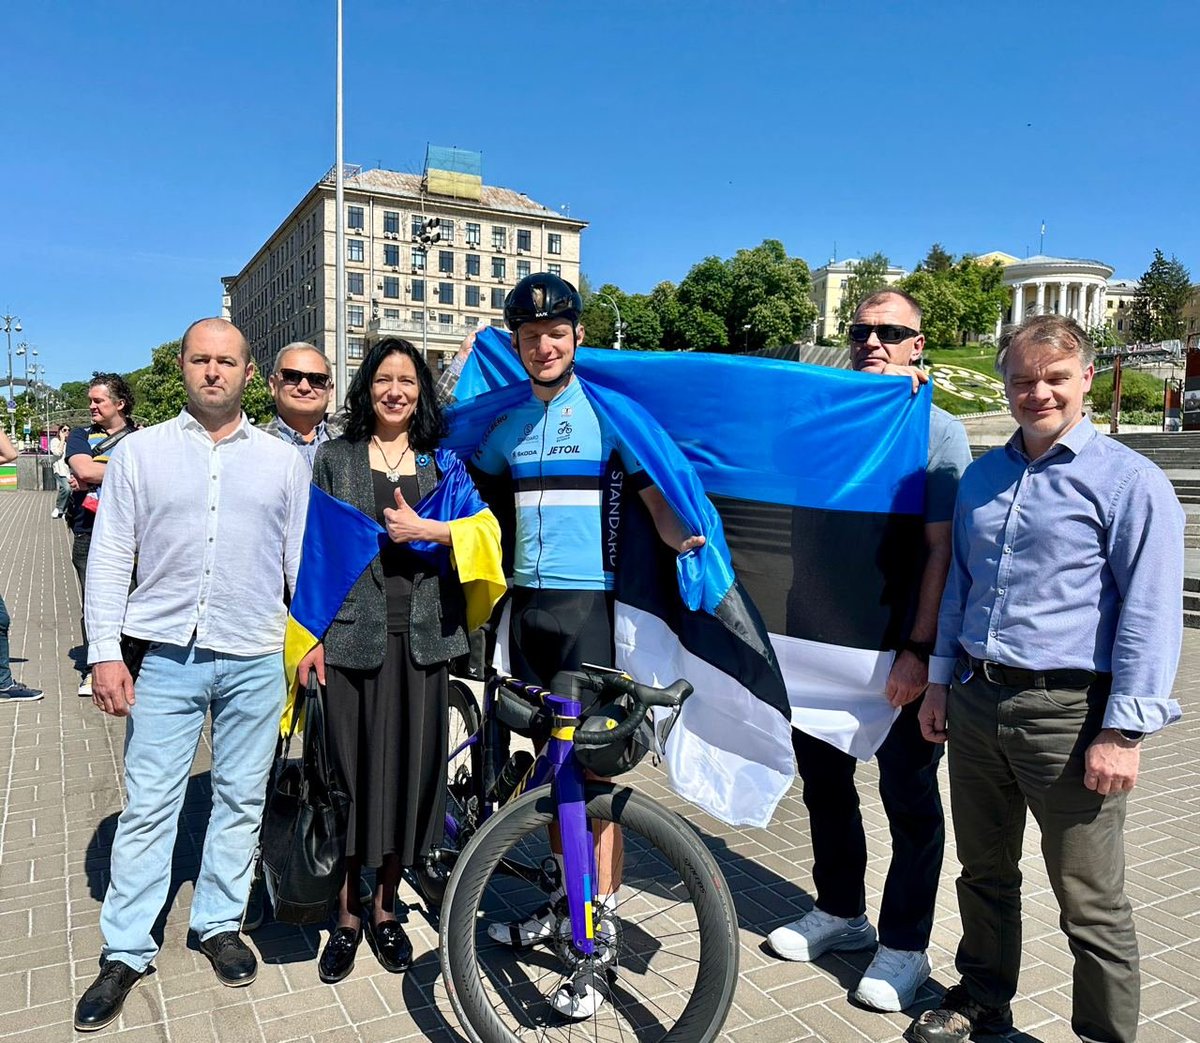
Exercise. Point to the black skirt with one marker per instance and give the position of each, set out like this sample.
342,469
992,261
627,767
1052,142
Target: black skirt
388,736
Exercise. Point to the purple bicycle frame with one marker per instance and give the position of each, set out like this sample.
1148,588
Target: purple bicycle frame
556,766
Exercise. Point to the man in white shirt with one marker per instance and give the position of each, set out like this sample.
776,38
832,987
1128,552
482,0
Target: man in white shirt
212,509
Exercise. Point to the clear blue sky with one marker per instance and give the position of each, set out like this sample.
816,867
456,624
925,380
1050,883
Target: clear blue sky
150,148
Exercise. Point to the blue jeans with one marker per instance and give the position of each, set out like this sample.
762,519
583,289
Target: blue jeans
176,688
6,677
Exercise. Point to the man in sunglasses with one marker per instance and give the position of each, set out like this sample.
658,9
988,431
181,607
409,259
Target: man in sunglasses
885,338
301,384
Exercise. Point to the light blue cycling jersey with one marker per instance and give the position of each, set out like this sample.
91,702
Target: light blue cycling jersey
567,474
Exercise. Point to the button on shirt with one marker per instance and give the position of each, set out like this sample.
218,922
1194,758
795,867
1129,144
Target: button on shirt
1070,561
216,529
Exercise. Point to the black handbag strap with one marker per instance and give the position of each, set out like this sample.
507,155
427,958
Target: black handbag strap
316,753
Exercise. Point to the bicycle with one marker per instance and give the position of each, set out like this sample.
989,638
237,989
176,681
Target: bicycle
667,953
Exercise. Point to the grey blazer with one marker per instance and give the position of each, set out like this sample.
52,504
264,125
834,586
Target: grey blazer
357,638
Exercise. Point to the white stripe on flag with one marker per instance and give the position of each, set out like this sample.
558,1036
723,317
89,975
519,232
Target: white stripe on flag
729,753
837,693
559,498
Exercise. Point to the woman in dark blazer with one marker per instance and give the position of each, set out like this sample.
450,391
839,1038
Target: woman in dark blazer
384,657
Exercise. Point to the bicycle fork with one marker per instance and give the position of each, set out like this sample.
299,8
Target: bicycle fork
578,848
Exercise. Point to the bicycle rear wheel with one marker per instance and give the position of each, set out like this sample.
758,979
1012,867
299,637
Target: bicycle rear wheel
463,775
668,955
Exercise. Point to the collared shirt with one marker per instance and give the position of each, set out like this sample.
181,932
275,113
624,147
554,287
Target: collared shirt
1070,561
215,528
278,427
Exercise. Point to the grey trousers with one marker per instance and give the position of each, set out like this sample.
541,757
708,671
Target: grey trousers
1011,749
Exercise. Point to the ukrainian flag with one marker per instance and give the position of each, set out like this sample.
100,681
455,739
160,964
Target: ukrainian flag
340,542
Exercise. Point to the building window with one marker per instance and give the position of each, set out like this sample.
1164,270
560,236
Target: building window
446,261
391,287
354,250
418,258
445,293
497,323
391,254
498,297
354,314
354,282
392,313
416,317
355,347
524,239
554,269
471,321
473,264
391,222
474,235
522,269
554,243
446,227
445,319
497,267
472,300
499,237
418,290
354,217
417,225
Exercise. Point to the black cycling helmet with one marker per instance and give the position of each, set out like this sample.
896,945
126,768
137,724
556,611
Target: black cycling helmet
542,296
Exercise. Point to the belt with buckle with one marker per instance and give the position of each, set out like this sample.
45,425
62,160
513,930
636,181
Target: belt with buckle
1018,677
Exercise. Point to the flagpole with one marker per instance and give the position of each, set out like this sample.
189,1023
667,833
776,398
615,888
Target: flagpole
339,291
1041,240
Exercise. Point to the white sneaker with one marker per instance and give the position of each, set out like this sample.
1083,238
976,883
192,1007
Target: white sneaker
525,934
580,998
85,686
892,980
56,513
817,933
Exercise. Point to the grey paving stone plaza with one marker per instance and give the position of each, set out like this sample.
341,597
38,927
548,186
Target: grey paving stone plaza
60,773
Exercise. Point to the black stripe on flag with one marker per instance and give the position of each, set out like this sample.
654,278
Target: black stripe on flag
838,577
734,641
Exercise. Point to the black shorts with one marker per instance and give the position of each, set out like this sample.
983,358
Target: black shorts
554,630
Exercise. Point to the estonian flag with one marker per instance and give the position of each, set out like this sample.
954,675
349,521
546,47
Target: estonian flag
340,542
817,476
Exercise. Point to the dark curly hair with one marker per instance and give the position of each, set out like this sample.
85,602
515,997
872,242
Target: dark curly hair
118,390
428,426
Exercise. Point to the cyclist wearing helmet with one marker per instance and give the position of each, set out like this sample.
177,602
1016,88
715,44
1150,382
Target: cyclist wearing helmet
567,472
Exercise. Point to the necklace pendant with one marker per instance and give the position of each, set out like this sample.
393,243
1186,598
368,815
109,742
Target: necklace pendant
392,476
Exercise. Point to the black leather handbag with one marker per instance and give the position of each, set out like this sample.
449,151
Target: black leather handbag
304,824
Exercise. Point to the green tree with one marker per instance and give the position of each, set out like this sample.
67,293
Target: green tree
599,321
1160,300
937,260
941,305
707,286
770,295
1141,391
958,302
982,294
160,393
665,301
866,276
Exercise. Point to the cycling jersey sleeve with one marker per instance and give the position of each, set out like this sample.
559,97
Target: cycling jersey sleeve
490,457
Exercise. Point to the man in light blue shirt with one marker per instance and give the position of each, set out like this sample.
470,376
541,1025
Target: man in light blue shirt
1060,630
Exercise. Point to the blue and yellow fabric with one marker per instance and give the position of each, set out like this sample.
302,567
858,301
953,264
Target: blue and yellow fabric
340,542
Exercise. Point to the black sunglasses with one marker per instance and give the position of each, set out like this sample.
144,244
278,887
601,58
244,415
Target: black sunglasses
888,332
317,381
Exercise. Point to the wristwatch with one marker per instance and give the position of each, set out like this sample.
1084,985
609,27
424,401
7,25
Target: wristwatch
921,649
1131,736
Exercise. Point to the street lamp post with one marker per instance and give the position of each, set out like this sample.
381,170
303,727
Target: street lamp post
746,341
24,351
429,235
607,299
11,323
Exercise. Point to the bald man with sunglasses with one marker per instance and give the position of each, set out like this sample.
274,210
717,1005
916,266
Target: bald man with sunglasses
301,384
885,338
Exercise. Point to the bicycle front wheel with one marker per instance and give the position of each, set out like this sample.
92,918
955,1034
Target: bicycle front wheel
668,955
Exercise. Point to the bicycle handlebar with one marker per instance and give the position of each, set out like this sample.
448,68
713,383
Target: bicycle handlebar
644,696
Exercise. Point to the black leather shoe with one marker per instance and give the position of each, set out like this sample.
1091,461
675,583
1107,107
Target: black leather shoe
960,1018
337,958
101,1004
390,943
231,958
